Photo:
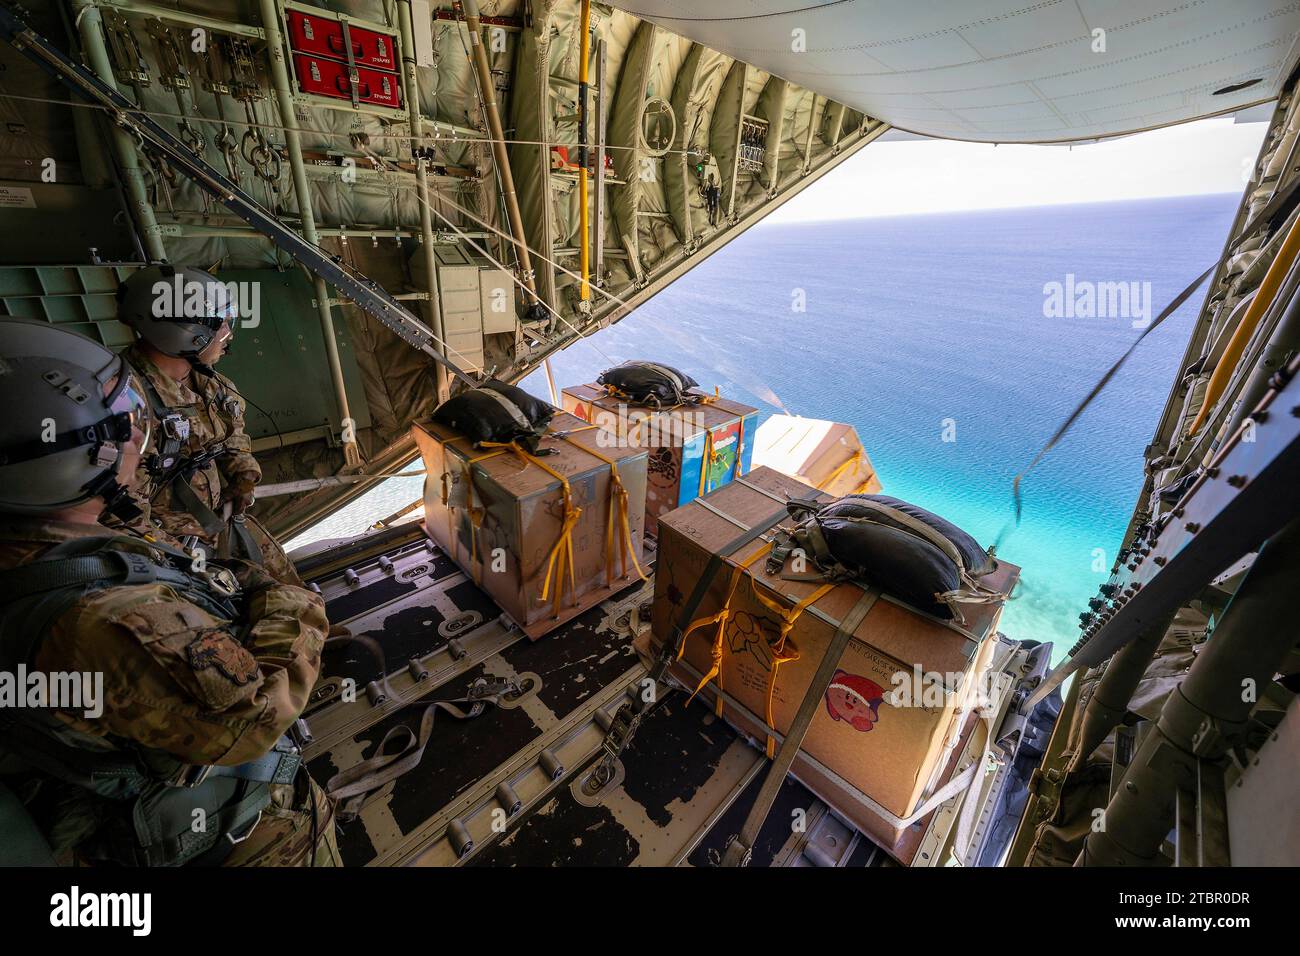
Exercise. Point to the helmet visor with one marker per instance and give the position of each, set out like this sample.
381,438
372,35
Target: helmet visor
128,405
222,305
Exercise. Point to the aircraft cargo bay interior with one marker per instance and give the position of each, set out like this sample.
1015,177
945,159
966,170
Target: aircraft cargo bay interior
566,434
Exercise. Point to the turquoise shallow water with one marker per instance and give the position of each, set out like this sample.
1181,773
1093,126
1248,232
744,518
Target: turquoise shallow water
917,323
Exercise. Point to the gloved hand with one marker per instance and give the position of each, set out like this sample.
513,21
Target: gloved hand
241,492
252,577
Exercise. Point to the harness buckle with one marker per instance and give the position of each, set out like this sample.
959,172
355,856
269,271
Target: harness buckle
222,580
175,426
236,840
105,454
190,775
783,545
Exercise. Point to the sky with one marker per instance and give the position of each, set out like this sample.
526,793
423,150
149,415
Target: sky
903,177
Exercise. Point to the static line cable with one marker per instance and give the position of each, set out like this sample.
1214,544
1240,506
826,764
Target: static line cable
1096,390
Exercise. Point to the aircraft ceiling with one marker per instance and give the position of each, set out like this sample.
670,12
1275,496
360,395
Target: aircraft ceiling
1008,70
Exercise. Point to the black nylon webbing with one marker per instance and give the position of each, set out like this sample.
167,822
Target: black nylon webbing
739,850
28,579
240,543
208,519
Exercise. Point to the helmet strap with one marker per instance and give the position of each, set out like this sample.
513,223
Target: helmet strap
117,497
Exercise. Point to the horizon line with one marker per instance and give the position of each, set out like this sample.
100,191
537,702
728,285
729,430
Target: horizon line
766,221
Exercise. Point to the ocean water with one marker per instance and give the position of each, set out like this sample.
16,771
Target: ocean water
924,328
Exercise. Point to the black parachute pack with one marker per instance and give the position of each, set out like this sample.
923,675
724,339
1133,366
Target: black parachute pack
649,383
496,412
906,551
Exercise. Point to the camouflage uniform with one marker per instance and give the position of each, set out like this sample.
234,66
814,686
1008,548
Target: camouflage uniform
215,411
180,680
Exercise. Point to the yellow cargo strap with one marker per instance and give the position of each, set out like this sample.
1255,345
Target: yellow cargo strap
784,650
617,525
843,466
710,457
559,560
475,514
706,463
740,447
720,618
738,853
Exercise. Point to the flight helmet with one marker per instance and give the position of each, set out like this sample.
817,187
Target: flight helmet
177,310
62,433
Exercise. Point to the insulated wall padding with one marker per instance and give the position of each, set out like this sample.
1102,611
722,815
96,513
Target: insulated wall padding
693,97
772,107
40,127
723,133
630,161
529,113
277,357
788,154
382,200
398,380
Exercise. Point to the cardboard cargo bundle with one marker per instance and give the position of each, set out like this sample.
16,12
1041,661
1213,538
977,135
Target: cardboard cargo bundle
902,690
546,535
827,455
693,448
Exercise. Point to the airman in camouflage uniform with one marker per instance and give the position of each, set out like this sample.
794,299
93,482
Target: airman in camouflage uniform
201,677
204,490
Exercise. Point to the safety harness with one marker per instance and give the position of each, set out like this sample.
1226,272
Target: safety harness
153,795
172,469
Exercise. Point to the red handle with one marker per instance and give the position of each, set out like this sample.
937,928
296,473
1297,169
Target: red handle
363,88
336,44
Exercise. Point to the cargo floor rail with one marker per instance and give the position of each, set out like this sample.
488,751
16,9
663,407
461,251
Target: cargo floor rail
479,816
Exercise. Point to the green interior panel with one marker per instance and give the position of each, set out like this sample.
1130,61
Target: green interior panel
280,364
66,222
81,298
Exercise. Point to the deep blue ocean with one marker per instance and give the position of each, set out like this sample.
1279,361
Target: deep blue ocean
915,320
919,325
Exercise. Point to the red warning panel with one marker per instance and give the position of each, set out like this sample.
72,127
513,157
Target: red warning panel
323,36
325,77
